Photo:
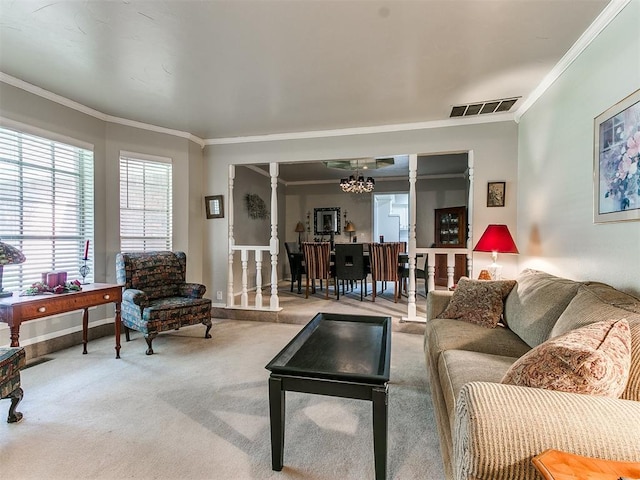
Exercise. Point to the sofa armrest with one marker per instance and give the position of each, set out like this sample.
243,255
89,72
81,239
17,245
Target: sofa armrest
437,301
135,296
192,290
499,428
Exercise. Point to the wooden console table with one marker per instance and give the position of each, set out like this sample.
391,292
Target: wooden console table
15,310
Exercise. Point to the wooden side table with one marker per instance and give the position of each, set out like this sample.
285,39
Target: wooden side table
558,465
15,310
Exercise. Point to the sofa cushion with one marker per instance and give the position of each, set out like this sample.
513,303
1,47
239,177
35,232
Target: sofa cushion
535,303
478,301
595,302
446,334
457,367
593,359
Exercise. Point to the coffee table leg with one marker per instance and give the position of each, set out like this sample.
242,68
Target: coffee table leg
276,413
379,397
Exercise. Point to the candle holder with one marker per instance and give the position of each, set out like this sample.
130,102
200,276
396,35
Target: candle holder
84,271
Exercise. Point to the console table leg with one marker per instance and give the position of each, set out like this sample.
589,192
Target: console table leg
85,329
380,426
14,334
276,412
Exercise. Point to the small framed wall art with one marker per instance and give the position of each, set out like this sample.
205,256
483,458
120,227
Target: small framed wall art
215,206
495,194
616,163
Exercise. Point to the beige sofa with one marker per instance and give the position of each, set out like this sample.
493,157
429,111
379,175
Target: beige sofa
491,431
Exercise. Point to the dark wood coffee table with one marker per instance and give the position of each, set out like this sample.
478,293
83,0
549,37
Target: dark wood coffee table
338,355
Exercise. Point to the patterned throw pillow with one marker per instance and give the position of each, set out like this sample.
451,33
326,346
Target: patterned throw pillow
478,301
594,360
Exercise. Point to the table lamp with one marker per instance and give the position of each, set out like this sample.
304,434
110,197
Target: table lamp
350,227
496,239
9,255
299,229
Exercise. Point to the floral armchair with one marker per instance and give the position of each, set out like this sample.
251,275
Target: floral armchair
12,359
156,297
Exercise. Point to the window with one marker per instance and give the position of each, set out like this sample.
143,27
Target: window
46,206
145,203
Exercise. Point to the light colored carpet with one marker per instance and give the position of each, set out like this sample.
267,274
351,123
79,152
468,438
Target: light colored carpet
198,409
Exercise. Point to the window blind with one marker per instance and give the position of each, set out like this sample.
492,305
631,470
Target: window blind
145,204
46,206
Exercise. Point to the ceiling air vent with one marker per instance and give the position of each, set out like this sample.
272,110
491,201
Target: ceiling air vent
492,106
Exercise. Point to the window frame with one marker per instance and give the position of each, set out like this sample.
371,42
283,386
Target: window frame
143,242
69,194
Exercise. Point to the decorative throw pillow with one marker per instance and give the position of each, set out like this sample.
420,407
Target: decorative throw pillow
478,301
594,359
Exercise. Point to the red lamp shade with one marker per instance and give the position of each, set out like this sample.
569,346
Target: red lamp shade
496,238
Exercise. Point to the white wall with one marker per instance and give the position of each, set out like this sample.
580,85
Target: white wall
108,139
556,232
494,147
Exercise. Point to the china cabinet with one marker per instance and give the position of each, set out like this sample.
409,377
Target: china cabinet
450,227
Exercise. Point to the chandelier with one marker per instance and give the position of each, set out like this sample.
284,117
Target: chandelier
357,184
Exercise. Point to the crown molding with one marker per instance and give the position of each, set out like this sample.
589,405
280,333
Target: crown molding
341,132
588,36
41,92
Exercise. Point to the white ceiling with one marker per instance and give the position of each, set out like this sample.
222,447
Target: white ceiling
236,68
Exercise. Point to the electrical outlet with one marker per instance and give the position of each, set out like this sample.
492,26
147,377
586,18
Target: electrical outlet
219,295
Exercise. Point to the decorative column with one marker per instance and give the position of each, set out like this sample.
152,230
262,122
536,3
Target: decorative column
274,244
258,302
244,295
431,271
470,217
413,172
232,176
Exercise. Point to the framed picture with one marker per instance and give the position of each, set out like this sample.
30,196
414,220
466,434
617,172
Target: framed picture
215,206
326,220
616,162
495,194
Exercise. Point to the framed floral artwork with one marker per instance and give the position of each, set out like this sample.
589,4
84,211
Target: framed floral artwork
616,175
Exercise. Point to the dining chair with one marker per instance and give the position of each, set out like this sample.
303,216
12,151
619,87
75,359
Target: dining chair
383,258
350,266
420,272
317,258
296,263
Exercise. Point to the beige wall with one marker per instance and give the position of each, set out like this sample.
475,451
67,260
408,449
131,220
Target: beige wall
17,105
556,232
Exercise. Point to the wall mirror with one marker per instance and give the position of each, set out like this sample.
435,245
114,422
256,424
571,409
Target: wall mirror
326,220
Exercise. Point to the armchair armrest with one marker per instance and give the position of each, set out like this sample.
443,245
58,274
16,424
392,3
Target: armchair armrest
437,301
192,290
499,428
135,296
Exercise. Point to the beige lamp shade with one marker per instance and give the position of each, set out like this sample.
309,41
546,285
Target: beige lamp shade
349,227
299,227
